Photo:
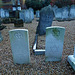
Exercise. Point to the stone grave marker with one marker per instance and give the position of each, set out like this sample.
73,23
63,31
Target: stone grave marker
22,15
71,60
37,14
32,13
6,13
72,12
58,13
1,38
28,18
20,46
65,13
46,18
54,43
2,13
18,23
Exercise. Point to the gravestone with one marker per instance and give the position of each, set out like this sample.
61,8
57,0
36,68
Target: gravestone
6,13
58,13
37,14
54,43
28,18
1,38
18,23
72,12
65,13
20,46
22,15
2,13
46,18
32,13
71,60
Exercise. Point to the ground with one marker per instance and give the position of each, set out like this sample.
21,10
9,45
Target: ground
38,66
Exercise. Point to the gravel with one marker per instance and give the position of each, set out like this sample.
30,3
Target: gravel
38,66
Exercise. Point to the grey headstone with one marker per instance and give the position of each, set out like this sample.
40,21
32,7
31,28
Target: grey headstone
54,43
46,18
1,38
32,13
71,60
37,14
72,12
65,13
20,46
22,15
28,18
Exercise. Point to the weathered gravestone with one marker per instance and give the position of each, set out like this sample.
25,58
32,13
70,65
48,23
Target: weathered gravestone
2,13
46,18
28,18
65,13
22,15
1,38
20,45
37,14
31,13
72,12
54,43
71,59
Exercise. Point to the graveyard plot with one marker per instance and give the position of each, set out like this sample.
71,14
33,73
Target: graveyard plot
38,66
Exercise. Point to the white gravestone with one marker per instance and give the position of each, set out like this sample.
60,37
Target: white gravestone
65,13
58,13
20,46
72,12
6,13
71,60
32,13
37,14
2,13
28,18
54,43
22,15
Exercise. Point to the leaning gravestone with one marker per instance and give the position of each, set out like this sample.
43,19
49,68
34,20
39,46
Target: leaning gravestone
22,15
32,13
1,38
37,14
71,60
20,46
28,18
65,13
72,12
54,43
46,18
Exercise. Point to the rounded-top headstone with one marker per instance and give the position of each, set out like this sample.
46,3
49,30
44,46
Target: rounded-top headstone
46,18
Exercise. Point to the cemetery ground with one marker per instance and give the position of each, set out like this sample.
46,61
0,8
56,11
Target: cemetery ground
38,66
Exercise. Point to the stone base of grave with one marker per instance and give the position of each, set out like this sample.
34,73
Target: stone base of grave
6,21
18,23
71,60
39,52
